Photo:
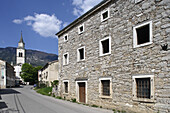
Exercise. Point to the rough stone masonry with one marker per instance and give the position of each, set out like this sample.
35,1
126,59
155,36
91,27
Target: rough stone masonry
125,63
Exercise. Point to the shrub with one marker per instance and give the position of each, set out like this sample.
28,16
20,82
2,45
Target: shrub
73,100
55,83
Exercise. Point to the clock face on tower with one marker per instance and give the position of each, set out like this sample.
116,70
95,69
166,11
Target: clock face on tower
20,44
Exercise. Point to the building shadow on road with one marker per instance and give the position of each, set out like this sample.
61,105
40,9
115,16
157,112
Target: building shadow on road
8,91
3,105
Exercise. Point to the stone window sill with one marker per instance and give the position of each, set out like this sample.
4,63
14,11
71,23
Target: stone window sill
144,100
105,54
102,96
142,45
81,60
65,64
65,93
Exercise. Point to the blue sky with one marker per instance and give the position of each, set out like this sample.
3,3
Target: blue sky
39,20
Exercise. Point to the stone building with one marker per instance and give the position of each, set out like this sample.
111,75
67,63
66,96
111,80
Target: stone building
7,75
48,73
116,56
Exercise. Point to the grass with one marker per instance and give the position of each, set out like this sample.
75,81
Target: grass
58,97
118,111
45,91
95,106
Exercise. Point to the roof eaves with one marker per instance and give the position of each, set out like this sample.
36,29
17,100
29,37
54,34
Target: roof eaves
102,3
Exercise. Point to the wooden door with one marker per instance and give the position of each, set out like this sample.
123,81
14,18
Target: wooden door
82,93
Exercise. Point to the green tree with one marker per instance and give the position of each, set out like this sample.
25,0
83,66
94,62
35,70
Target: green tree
30,73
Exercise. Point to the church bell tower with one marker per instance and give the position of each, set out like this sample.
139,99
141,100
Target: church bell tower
20,54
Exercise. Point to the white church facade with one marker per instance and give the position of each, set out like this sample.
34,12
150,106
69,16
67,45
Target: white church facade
20,58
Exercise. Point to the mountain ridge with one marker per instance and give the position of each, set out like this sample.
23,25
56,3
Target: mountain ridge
34,57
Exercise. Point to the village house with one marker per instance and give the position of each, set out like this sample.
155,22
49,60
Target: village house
7,75
48,73
116,56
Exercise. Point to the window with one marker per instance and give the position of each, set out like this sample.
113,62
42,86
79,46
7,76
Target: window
143,88
142,34
81,54
46,75
81,29
105,15
105,46
66,85
65,37
105,87
20,54
65,59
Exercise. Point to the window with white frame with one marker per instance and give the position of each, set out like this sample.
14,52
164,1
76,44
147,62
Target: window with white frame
81,29
65,59
142,34
105,14
65,37
105,87
105,46
143,87
81,54
66,86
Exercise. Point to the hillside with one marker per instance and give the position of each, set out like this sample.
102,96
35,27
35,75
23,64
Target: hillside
36,58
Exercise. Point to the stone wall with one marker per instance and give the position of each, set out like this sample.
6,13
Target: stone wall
10,82
124,61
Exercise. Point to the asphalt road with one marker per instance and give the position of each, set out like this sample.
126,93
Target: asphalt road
26,100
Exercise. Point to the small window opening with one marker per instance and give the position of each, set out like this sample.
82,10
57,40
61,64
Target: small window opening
66,38
105,87
81,52
105,46
105,15
65,59
143,34
66,87
143,87
81,29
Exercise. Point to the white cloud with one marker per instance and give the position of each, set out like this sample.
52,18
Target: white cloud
29,18
82,6
77,2
65,24
44,24
17,21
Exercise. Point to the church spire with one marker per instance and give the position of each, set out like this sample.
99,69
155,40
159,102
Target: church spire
21,39
21,43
